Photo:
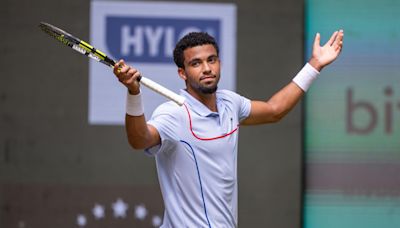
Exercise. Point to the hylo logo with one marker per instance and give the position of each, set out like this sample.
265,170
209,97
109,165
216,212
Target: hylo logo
151,40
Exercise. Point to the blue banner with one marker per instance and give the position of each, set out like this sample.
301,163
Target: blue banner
151,40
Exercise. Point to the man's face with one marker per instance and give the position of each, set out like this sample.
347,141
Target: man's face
202,69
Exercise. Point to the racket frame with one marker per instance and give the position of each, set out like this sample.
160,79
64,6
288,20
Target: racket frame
93,53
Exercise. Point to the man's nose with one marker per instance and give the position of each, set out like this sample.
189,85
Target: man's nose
206,67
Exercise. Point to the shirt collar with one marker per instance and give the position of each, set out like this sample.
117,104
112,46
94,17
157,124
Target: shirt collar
197,106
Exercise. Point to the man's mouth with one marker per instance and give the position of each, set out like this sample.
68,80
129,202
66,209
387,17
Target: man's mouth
207,77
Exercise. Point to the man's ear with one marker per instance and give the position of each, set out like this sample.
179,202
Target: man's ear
182,73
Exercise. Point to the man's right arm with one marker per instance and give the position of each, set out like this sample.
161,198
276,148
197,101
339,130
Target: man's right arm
140,134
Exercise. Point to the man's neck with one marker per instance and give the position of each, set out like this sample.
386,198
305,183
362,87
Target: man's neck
209,100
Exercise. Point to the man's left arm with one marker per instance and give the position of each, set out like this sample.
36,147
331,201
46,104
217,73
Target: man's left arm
284,100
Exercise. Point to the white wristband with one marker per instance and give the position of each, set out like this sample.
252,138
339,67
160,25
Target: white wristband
134,105
305,77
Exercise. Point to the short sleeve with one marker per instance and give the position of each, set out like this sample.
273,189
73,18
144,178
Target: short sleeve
243,104
166,119
244,108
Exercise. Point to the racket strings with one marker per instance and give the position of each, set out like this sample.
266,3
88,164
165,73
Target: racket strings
86,49
56,34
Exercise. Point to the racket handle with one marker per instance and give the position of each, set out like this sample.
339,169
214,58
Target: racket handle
162,90
156,87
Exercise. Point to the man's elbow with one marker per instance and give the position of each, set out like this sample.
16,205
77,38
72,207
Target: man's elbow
138,144
277,114
275,119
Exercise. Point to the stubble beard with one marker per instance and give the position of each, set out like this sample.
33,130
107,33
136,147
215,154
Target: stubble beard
208,90
205,89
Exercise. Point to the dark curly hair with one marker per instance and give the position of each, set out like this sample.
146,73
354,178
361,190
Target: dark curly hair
190,40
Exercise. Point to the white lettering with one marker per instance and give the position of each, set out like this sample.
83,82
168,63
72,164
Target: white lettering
133,40
153,37
128,40
169,41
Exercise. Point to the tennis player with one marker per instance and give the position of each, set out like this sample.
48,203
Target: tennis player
195,145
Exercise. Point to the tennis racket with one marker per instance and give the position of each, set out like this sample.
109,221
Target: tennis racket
88,50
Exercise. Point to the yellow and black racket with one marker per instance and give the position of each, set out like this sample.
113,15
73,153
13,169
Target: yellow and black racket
90,51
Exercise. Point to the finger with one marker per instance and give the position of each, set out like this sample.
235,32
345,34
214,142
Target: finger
337,48
127,74
134,78
117,66
317,41
338,45
125,69
131,71
332,39
339,40
137,76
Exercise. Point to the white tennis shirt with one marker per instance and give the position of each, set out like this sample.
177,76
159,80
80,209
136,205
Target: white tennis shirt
198,177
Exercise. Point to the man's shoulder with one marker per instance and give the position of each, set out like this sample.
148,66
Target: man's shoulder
227,94
168,107
225,91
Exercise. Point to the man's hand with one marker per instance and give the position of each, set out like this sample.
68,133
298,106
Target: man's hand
322,56
127,76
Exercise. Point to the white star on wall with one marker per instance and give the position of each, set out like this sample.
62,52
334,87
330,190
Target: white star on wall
21,224
98,211
156,221
81,220
140,212
120,208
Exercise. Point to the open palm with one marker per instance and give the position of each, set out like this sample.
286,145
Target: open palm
324,55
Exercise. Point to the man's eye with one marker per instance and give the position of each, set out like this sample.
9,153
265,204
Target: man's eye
212,59
196,63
